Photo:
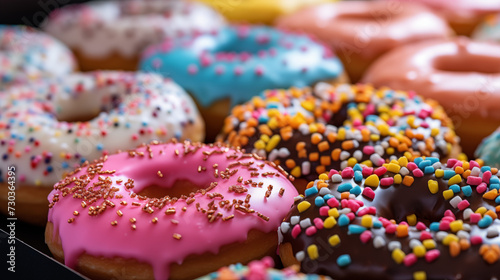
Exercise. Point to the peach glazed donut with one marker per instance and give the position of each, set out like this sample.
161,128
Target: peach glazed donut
310,131
27,55
462,15
112,34
49,128
213,205
404,220
361,31
462,75
238,62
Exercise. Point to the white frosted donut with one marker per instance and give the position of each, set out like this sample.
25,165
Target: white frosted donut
48,129
26,55
103,33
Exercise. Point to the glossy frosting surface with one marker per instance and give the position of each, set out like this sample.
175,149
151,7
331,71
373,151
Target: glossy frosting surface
45,130
163,231
367,28
27,55
462,75
239,62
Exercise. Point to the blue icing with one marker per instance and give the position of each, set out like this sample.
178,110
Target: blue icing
227,64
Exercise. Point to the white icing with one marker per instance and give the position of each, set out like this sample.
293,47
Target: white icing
100,28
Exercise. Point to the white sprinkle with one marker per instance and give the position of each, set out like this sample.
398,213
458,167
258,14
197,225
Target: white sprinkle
441,235
379,150
404,171
455,201
283,152
306,168
414,243
378,242
324,191
437,165
466,227
463,234
345,211
280,236
294,220
344,155
285,227
492,232
475,171
343,165
305,223
467,213
304,129
384,144
394,245
297,198
358,155
273,155
300,256
336,178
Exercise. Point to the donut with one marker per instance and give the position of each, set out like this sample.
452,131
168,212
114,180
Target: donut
488,151
259,11
489,29
310,131
260,269
48,128
404,220
210,206
462,75
27,55
462,15
238,62
112,34
360,32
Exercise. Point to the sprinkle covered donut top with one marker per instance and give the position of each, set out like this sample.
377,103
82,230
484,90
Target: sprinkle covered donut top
260,269
239,62
50,127
103,28
27,55
100,209
310,131
420,219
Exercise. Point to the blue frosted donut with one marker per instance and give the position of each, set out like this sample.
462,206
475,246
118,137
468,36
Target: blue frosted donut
239,62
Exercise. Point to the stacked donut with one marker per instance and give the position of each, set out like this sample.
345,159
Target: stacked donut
114,164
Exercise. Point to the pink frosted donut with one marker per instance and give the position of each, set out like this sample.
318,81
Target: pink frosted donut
104,221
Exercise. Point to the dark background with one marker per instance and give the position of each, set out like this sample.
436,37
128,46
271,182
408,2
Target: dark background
29,12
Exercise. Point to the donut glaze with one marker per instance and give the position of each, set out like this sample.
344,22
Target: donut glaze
239,192
361,31
260,269
239,62
259,11
463,15
462,75
49,128
409,220
310,131
27,55
99,30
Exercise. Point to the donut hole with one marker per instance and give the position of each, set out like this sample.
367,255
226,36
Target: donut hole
72,111
180,188
466,63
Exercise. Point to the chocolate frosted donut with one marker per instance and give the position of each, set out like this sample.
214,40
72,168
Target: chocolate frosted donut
404,220
309,131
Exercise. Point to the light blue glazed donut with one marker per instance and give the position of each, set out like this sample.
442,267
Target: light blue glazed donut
489,149
239,62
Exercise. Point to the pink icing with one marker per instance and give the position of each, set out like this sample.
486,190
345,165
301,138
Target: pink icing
154,243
